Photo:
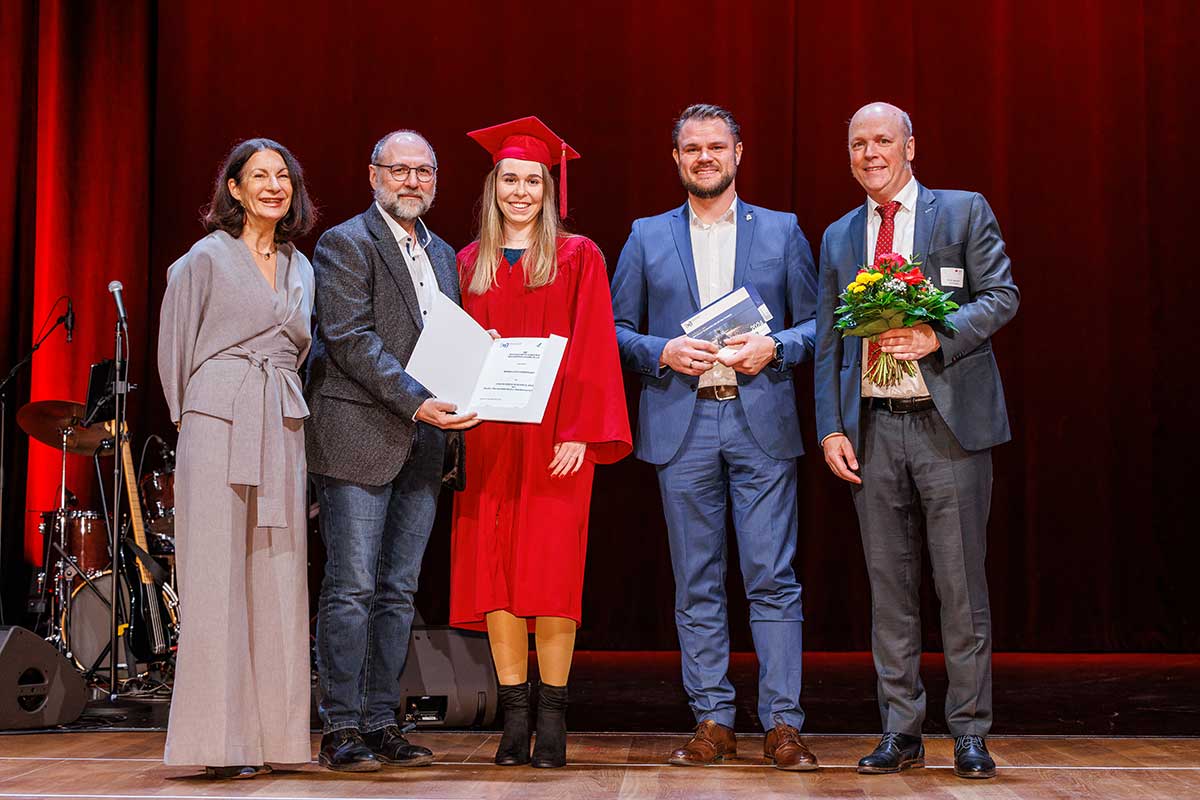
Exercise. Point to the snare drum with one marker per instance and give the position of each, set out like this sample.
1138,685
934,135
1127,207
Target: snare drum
87,538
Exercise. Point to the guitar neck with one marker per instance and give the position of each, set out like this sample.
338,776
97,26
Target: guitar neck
135,506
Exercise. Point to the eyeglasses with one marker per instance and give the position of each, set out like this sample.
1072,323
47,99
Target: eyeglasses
399,172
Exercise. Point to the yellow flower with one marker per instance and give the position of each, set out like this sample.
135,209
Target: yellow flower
874,277
858,288
850,286
863,278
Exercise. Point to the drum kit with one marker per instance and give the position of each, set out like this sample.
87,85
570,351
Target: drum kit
75,587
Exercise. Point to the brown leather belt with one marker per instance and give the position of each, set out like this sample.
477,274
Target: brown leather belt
901,405
720,392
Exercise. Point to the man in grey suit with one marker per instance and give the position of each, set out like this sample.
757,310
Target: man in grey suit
376,442
920,450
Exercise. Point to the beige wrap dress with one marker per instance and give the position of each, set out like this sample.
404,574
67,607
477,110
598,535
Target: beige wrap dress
228,351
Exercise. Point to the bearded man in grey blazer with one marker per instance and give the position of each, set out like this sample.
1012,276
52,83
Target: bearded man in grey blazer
376,441
920,450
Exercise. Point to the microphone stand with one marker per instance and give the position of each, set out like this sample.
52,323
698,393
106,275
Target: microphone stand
120,399
3,431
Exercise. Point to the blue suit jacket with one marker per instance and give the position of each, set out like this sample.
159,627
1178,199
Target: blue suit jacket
953,229
655,286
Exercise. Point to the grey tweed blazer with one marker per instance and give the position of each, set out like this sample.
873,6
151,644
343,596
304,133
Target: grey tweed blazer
366,323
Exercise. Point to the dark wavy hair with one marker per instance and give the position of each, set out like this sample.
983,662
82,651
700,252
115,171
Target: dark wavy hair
224,213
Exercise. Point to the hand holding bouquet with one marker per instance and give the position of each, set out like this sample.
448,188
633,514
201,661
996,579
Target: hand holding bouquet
891,293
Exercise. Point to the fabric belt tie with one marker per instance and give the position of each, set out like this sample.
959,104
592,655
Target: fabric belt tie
258,437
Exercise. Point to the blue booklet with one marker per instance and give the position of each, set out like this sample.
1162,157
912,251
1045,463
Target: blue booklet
740,311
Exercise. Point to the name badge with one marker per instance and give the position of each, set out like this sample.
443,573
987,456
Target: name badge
952,277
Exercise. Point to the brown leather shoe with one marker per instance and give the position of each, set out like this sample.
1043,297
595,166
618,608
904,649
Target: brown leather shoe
784,747
710,743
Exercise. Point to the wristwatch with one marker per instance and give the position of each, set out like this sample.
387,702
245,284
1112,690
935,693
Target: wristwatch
777,362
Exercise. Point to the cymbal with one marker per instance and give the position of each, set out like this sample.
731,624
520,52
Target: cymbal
45,421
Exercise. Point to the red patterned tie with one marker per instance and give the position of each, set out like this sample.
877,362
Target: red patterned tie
883,244
887,228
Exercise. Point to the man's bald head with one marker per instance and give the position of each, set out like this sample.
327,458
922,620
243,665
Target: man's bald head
881,109
403,136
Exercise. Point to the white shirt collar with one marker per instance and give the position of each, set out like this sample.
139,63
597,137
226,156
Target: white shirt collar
727,217
907,197
422,233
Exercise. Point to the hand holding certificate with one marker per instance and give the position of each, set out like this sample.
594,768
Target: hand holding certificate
503,379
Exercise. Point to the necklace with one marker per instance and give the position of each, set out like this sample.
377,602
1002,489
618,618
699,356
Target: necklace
266,255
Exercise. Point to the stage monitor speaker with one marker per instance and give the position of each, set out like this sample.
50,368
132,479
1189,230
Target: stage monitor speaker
449,680
38,687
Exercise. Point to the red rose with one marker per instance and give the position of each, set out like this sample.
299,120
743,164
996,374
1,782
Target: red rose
892,261
912,277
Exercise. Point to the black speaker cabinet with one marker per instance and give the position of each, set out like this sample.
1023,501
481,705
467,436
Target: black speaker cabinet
38,687
449,680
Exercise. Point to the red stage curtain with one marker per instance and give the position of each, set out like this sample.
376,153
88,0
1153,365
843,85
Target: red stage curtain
93,79
1072,117
18,53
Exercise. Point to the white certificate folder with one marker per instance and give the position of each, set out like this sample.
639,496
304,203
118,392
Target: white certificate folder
740,311
503,380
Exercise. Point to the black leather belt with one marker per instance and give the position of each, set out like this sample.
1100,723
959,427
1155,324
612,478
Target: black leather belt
901,405
722,392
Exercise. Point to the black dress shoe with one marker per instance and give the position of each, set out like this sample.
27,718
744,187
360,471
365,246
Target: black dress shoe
971,758
895,751
393,750
345,751
237,773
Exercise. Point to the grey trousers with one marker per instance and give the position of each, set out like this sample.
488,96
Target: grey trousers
913,469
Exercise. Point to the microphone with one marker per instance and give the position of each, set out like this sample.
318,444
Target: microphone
69,320
115,287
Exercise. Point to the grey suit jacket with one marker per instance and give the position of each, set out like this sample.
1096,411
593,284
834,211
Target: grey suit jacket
954,230
367,321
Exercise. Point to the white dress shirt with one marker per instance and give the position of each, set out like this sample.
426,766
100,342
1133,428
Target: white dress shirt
902,243
419,268
714,251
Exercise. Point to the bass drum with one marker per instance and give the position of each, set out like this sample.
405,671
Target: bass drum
86,620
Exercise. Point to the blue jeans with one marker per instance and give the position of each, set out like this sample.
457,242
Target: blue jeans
720,462
375,537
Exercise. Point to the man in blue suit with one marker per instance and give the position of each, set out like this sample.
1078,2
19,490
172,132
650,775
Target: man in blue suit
722,426
920,450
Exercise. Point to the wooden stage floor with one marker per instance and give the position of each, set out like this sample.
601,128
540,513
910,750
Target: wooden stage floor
616,765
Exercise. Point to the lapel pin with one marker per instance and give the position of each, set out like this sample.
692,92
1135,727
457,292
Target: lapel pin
749,217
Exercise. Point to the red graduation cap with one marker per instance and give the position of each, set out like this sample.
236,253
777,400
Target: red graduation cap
529,139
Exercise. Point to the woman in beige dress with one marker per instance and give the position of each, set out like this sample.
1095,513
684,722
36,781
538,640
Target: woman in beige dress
234,329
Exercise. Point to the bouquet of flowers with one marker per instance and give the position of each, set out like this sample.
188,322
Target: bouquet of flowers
891,293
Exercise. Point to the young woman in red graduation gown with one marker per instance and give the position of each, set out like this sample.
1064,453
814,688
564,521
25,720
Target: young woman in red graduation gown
520,527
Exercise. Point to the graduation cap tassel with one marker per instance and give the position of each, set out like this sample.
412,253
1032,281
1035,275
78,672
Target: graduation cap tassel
562,172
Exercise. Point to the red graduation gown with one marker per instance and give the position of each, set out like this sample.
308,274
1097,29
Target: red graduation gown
519,539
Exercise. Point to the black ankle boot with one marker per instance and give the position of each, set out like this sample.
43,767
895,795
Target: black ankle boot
514,744
551,748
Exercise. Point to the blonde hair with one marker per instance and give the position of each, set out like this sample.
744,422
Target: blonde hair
541,259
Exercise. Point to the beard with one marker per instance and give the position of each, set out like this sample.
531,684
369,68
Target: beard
404,207
710,191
